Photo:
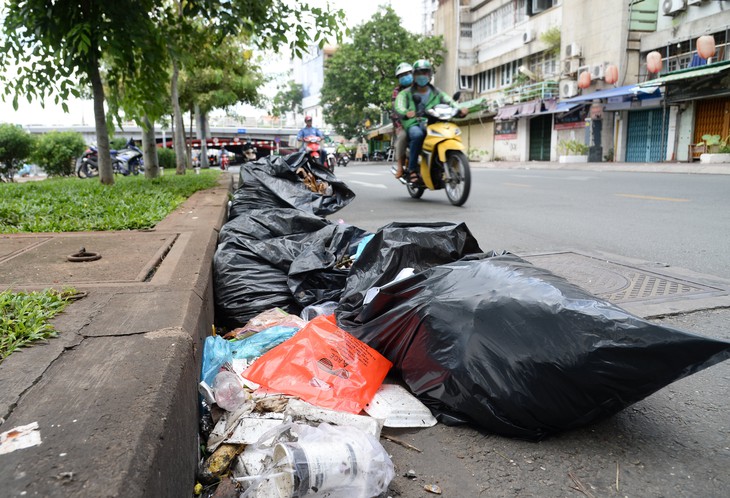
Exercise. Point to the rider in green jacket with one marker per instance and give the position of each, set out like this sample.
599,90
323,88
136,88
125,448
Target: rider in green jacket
412,115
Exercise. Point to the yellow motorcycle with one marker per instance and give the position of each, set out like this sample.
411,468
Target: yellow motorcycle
443,163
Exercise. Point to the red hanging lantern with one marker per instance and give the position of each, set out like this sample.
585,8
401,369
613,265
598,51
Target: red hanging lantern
654,62
611,74
584,80
706,46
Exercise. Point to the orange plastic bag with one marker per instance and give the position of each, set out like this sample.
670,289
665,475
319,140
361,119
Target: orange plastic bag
324,365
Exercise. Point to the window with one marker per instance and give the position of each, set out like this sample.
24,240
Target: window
509,71
466,82
487,80
544,64
466,30
537,6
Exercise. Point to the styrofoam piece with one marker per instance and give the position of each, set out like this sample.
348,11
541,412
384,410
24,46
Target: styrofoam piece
301,411
399,408
250,429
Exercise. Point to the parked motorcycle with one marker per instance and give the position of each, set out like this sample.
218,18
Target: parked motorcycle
443,164
124,161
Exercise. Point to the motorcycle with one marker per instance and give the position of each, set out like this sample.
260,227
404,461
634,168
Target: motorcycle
443,164
124,161
312,144
342,159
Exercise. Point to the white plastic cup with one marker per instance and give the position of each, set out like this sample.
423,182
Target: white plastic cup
317,467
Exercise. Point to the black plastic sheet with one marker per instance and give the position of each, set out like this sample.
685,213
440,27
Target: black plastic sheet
272,182
282,258
403,245
519,351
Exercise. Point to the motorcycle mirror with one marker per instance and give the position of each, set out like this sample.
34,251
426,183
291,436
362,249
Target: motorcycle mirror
456,96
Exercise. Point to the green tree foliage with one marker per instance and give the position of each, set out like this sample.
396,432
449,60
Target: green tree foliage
288,98
55,46
16,146
220,76
56,152
360,74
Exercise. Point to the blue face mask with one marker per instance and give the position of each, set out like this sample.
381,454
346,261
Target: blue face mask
406,80
422,80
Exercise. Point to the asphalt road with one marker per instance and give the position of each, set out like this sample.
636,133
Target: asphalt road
674,219
676,442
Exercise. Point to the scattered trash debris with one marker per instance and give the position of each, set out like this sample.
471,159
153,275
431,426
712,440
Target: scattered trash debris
411,474
432,488
398,408
324,365
17,438
323,461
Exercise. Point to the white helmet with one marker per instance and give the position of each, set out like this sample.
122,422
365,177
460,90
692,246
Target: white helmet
402,68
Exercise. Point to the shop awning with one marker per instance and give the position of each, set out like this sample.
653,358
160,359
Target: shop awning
560,107
684,74
622,91
383,130
507,112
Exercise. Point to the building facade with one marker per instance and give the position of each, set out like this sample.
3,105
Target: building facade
526,57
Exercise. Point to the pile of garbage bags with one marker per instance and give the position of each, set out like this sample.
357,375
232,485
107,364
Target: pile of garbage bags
480,337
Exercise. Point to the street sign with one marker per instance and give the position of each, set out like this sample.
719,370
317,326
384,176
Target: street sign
241,131
277,140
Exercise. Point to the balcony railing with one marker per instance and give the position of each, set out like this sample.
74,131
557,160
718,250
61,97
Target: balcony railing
542,90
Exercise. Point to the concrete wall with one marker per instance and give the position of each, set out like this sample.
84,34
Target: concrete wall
446,24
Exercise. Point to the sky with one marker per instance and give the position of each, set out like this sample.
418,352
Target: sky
81,112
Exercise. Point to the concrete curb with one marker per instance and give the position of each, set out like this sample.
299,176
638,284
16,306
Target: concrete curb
113,395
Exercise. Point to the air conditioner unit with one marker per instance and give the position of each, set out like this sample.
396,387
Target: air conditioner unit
583,69
570,66
673,7
528,36
568,89
499,101
694,2
572,50
597,71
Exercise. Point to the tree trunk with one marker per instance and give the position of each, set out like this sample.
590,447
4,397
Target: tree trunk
181,156
149,149
201,133
104,158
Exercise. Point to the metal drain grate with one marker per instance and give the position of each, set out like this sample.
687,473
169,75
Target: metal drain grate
618,283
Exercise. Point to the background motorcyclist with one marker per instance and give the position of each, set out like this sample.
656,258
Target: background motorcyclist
309,131
404,74
412,115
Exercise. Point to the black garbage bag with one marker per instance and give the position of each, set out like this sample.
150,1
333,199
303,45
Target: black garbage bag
276,182
282,258
519,351
401,245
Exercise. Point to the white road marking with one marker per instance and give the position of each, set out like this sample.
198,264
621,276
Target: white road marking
371,185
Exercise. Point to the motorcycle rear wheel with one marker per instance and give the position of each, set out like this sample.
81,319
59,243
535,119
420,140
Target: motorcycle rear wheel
458,186
84,171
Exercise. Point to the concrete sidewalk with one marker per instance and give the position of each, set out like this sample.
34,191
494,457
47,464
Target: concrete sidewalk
680,168
115,394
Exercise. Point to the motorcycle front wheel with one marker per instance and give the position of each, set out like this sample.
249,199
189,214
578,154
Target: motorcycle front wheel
415,192
459,183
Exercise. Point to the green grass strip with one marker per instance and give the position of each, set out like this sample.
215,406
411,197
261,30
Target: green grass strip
25,316
73,204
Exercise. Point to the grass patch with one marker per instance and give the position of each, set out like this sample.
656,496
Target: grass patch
24,317
74,205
